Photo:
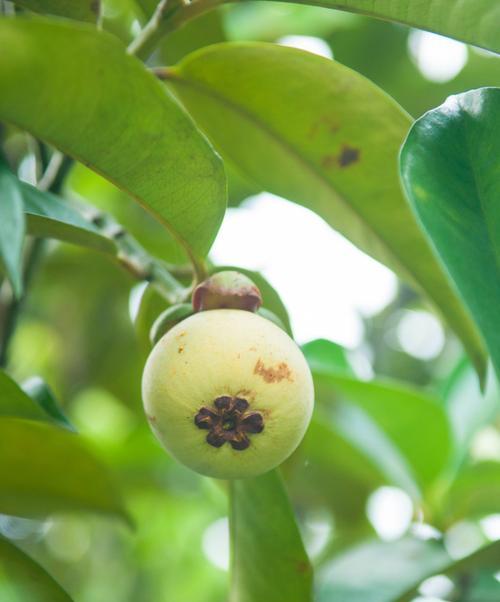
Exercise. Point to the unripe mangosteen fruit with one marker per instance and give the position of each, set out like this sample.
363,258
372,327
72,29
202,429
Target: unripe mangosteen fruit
228,393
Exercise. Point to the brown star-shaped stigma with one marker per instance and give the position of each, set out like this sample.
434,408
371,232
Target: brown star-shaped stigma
229,421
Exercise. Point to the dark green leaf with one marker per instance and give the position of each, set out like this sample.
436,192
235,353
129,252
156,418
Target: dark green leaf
472,21
27,578
49,217
12,227
46,469
268,558
315,132
81,10
15,403
450,166
87,112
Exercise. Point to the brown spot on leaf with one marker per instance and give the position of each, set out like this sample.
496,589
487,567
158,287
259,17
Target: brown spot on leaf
273,374
348,155
326,123
328,161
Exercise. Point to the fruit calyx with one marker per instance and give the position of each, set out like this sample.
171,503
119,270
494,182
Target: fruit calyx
229,421
227,290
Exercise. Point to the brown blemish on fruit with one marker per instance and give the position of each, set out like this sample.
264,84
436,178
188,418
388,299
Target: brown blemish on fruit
273,374
151,419
180,349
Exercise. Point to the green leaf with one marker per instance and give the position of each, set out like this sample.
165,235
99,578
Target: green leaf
42,394
472,21
468,408
482,561
450,165
377,571
46,469
14,402
325,356
400,412
474,493
12,227
149,306
117,119
319,134
268,558
81,10
339,475
50,217
26,577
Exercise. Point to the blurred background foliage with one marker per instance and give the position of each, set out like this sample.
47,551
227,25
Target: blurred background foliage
380,461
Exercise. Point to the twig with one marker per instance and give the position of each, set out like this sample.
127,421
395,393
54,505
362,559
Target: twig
166,19
137,261
33,255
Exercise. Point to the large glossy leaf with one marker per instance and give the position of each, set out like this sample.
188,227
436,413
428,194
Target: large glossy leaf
403,414
15,403
313,131
450,165
268,558
46,469
12,226
472,21
26,578
50,217
115,118
81,10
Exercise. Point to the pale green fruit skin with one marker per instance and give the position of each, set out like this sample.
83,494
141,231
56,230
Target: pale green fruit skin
228,352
